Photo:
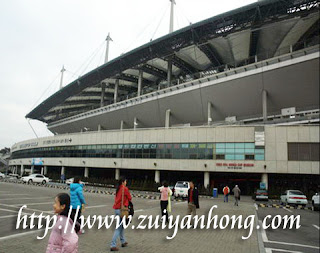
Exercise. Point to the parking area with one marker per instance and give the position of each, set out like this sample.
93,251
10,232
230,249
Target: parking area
305,239
40,200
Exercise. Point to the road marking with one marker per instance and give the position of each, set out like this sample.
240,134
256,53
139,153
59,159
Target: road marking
8,216
87,207
27,208
30,204
8,210
263,233
256,206
140,210
14,194
287,210
19,234
29,198
294,244
317,227
269,250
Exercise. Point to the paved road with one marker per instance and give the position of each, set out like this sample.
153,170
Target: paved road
304,239
40,199
12,196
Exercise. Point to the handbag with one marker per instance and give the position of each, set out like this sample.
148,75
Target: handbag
124,211
130,208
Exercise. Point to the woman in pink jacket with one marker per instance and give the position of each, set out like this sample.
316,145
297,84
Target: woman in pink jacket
61,241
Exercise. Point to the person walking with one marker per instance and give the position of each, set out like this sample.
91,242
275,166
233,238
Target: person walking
61,241
193,199
164,200
77,200
122,198
226,192
236,191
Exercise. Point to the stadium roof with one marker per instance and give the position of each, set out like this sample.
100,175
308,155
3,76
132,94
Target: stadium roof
254,32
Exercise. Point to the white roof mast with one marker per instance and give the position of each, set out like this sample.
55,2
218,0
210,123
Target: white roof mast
173,2
61,79
108,39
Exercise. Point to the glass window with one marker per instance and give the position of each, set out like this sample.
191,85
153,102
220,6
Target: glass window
230,145
249,145
259,157
229,157
249,151
176,151
239,145
220,145
239,157
259,151
220,157
239,151
249,157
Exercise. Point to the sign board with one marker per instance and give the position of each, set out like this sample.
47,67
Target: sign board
234,166
262,186
259,138
288,111
37,161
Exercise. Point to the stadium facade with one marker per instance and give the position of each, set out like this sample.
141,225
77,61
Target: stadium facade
234,98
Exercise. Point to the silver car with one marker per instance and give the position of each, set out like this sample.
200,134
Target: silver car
293,197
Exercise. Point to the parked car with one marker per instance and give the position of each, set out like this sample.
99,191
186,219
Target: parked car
261,195
293,197
14,176
2,175
316,202
70,181
35,178
181,189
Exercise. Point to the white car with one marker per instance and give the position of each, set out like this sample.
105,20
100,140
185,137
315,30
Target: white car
293,197
181,189
2,175
316,201
35,178
70,181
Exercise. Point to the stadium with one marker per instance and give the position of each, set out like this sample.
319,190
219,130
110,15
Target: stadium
233,99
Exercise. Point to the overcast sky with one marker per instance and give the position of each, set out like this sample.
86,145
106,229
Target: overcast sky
39,36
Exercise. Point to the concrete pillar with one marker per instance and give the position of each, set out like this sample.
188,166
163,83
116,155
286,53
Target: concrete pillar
135,123
209,113
99,128
117,176
167,122
206,179
32,169
103,91
22,170
264,105
86,172
116,87
121,125
264,179
169,72
45,170
140,82
157,176
63,170
255,58
41,170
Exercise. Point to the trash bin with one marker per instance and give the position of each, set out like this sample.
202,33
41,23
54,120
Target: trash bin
215,192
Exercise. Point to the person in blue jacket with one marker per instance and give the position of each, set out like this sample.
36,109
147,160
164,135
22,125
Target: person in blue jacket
77,199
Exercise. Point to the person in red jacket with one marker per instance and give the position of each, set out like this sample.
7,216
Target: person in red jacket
122,190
